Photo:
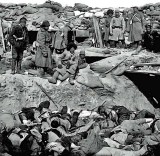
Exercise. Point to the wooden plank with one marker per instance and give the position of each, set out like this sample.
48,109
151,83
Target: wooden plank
146,64
97,31
108,71
94,54
143,72
2,35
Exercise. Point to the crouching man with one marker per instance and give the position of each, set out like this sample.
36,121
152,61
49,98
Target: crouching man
148,38
19,41
82,60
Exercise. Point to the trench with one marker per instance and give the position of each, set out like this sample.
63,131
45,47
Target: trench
148,84
92,59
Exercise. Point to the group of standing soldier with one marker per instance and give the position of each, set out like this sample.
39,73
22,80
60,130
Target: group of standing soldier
116,27
55,49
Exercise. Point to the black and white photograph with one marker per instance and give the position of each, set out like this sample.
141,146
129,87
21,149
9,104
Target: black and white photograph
79,78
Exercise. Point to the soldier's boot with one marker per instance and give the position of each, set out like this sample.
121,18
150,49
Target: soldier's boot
71,79
52,80
13,68
41,72
139,48
19,67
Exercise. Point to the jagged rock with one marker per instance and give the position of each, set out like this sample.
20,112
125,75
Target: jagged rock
80,6
29,10
53,6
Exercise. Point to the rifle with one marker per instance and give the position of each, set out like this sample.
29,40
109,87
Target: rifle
75,128
104,74
44,91
98,106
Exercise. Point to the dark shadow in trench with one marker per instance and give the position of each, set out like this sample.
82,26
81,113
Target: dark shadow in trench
92,59
148,85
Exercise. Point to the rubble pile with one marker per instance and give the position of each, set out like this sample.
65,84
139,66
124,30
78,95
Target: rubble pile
54,12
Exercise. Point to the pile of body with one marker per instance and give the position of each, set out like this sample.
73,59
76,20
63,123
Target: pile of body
112,131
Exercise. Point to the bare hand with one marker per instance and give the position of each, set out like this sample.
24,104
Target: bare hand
55,146
37,134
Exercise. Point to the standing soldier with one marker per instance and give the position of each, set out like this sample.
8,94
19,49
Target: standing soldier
117,29
19,41
43,58
136,28
107,17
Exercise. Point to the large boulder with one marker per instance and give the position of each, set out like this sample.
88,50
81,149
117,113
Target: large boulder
151,8
154,13
29,10
22,4
69,8
8,5
45,10
81,7
17,91
54,6
117,90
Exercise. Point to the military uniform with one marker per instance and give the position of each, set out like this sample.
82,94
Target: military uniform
19,41
135,27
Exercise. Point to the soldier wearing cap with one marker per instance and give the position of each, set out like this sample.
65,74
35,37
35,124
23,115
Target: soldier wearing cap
117,28
43,59
82,60
150,39
135,27
108,15
19,41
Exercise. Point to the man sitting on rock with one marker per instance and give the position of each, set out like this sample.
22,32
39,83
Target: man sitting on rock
29,59
67,65
82,60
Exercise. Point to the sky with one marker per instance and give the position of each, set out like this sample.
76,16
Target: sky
92,3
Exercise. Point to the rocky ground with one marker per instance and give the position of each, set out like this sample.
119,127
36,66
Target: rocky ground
17,91
4,66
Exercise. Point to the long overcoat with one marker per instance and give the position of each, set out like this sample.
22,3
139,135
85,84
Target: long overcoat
43,54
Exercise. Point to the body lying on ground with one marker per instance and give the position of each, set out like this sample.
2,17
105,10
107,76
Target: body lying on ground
40,131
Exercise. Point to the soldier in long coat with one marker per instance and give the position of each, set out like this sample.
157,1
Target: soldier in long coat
135,28
43,58
107,20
